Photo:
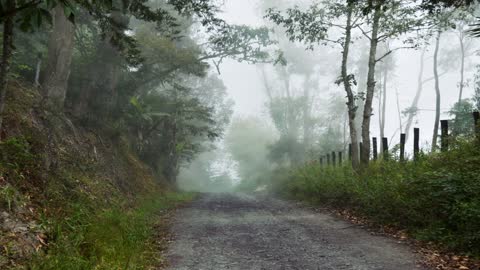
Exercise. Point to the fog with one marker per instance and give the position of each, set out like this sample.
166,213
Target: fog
246,86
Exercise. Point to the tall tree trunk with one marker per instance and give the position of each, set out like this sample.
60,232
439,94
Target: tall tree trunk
382,109
414,106
6,57
462,67
351,104
306,116
60,51
437,91
399,111
291,130
372,61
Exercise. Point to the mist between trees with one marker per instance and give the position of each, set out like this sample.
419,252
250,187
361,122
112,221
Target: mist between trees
117,99
331,74
349,71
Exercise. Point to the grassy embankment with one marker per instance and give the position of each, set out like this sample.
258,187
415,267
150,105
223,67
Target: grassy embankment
73,196
435,199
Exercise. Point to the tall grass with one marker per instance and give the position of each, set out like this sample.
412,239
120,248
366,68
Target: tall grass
436,198
114,238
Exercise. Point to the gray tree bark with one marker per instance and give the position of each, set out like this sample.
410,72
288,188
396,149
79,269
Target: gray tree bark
351,104
437,91
367,111
462,66
414,105
60,51
307,129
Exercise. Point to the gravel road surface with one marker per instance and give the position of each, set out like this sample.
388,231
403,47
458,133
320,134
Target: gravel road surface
237,231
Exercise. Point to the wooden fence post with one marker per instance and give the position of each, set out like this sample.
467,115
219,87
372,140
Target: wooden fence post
328,159
385,148
416,143
375,152
403,139
333,159
340,158
476,121
444,135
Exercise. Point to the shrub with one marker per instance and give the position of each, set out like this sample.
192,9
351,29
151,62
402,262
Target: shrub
436,198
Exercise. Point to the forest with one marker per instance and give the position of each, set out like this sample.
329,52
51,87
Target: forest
115,113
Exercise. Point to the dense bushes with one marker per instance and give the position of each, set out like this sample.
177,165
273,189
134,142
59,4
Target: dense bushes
436,198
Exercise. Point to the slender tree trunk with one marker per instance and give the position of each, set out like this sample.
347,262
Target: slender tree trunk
173,155
382,108
60,51
367,111
399,111
7,45
414,106
437,92
268,88
352,108
306,116
462,67
291,130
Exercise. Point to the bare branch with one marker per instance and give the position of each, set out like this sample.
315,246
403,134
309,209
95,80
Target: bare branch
393,50
364,32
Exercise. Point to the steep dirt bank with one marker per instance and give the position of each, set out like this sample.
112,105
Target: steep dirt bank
225,231
51,166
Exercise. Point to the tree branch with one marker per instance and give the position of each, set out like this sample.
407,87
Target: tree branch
393,50
364,33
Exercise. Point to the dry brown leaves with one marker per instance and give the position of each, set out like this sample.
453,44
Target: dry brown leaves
431,256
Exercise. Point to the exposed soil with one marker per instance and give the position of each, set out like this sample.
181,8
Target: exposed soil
237,231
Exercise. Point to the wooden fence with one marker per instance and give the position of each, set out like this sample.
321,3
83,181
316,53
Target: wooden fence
331,158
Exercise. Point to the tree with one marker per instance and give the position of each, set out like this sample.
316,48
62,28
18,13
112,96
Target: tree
248,140
476,95
441,22
311,27
461,125
30,15
113,22
386,20
411,112
437,91
462,18
59,58
389,20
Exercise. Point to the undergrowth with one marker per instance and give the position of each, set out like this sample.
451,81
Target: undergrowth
436,198
113,238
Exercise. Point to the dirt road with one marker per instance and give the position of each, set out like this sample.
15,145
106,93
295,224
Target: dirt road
234,231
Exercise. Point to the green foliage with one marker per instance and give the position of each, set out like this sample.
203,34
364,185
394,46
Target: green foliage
462,122
10,197
18,161
436,198
476,95
113,238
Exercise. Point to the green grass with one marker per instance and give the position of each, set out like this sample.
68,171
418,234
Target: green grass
115,238
436,198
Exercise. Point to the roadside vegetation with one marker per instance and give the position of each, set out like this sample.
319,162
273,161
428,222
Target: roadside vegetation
119,237
436,198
